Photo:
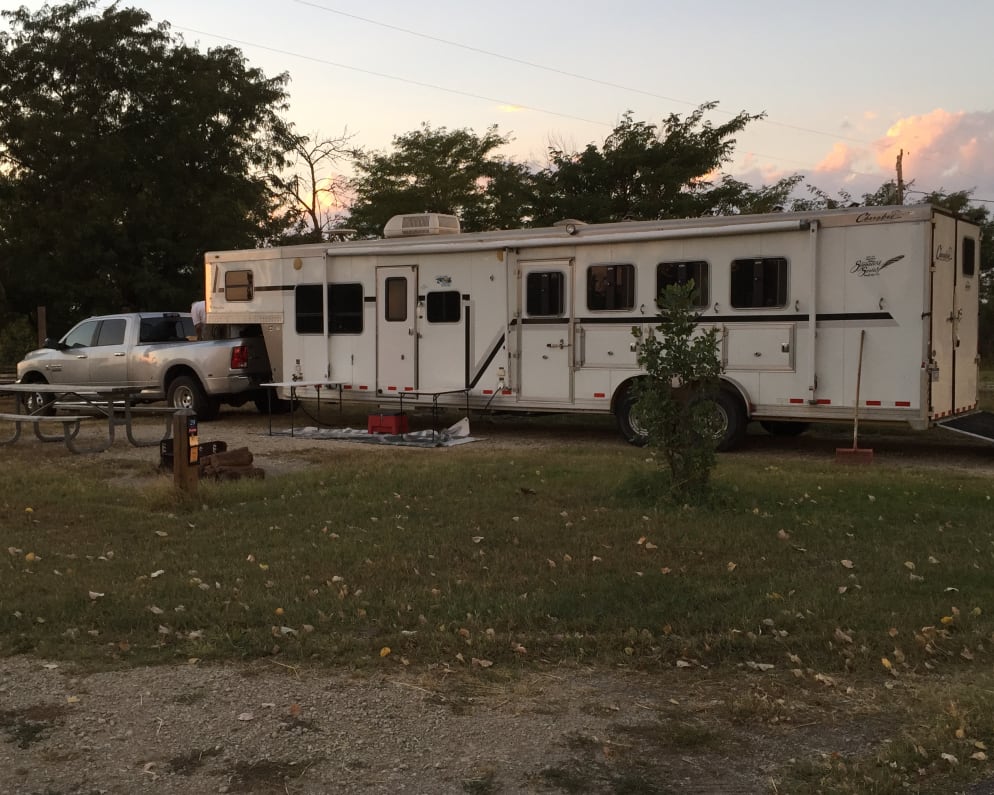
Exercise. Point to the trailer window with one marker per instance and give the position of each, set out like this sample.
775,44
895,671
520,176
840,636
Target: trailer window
969,256
345,305
696,271
759,282
545,293
610,287
308,311
396,303
444,306
238,286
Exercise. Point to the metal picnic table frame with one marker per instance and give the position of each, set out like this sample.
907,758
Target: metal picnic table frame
116,403
399,395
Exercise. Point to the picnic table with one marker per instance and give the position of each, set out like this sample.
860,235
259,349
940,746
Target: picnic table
117,403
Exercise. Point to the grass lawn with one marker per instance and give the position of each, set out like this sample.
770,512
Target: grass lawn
814,575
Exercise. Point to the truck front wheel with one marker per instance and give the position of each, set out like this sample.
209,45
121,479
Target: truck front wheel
185,392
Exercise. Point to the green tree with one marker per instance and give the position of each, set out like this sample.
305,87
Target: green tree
124,154
445,171
641,172
677,401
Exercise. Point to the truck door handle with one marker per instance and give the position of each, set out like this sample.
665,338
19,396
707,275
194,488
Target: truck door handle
119,353
562,344
80,355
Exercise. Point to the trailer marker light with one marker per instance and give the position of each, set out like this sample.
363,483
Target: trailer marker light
903,403
363,387
873,403
408,388
391,389
823,402
507,392
796,400
346,386
599,395
488,391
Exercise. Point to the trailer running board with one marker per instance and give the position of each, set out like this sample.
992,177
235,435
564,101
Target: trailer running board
979,425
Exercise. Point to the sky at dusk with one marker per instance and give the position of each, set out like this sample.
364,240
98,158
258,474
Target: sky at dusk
845,85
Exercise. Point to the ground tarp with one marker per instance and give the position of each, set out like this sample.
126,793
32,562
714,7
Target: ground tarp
451,436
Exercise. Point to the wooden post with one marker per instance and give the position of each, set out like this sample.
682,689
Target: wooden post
42,325
186,449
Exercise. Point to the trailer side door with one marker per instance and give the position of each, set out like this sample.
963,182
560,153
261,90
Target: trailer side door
396,332
545,330
954,308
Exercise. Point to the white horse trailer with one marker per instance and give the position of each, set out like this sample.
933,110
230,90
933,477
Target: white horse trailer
540,320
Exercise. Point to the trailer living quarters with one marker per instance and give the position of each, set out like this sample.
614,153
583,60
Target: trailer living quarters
540,320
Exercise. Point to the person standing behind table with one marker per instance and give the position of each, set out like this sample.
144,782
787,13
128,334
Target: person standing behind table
199,313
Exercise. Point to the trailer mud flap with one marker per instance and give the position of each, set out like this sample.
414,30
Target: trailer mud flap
979,425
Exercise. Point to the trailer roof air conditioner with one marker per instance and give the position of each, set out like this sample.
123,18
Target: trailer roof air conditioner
421,224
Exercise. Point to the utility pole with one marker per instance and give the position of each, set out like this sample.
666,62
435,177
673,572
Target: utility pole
900,177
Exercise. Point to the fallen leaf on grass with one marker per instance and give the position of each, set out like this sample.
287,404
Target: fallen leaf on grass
246,716
95,595
847,564
481,663
950,759
385,651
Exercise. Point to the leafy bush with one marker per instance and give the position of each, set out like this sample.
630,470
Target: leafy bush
676,398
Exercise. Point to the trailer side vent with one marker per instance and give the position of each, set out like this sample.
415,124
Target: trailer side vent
419,224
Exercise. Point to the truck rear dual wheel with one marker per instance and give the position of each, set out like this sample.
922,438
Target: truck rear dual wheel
185,392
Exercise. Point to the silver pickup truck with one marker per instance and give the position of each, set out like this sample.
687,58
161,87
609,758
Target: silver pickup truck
158,351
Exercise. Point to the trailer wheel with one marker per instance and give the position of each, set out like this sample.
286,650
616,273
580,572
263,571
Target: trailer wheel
784,427
185,392
729,421
629,423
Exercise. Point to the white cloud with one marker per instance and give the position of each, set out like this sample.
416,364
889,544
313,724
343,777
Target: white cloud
943,151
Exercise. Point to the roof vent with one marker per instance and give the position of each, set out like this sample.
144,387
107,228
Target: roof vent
420,224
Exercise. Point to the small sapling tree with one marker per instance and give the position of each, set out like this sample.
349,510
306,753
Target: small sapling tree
676,399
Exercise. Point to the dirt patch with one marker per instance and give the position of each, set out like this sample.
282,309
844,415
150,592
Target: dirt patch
268,727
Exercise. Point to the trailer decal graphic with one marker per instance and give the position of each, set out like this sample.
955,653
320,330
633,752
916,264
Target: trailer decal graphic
871,265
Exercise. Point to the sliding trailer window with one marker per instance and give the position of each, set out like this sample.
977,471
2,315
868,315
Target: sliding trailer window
443,306
238,286
610,287
759,282
545,294
344,307
674,273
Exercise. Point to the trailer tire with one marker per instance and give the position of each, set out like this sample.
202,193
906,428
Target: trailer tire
185,392
730,419
786,428
630,425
